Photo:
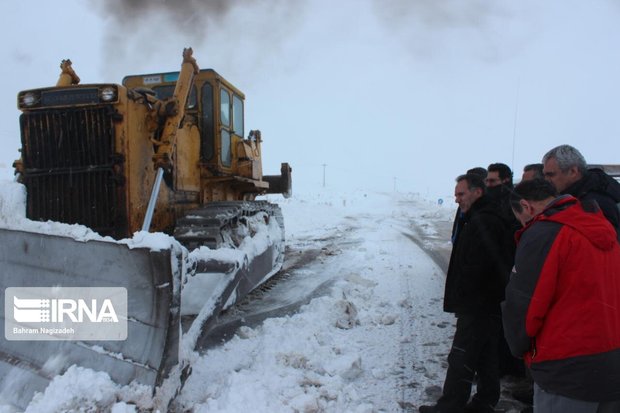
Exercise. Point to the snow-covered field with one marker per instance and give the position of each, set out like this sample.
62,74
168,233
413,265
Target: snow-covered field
375,340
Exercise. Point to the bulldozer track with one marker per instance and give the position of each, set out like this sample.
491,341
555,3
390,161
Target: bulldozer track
224,225
266,300
209,226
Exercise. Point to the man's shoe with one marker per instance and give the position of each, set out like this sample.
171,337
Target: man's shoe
524,395
428,409
473,407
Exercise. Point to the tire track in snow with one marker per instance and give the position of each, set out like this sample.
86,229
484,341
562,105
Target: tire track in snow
425,329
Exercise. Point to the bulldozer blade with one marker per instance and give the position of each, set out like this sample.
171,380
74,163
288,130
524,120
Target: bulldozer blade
152,281
221,284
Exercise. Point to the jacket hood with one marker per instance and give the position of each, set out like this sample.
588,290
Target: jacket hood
588,220
595,180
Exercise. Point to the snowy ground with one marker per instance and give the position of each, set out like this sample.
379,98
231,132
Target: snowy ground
374,343
373,338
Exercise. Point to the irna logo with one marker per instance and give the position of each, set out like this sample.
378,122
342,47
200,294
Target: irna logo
29,310
65,313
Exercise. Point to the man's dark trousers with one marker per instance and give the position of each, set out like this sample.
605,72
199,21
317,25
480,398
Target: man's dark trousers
474,350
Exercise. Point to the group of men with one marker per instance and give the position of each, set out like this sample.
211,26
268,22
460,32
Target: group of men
536,266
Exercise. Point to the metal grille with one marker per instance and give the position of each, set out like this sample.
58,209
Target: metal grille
69,163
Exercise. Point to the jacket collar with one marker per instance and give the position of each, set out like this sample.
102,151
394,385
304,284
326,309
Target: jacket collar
569,212
558,204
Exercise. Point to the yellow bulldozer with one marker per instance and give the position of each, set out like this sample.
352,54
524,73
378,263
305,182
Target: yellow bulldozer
161,152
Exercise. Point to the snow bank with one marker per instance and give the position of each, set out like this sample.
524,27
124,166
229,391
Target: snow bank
13,216
87,390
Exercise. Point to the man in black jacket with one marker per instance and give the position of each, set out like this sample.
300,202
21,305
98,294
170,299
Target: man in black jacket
478,170
499,186
474,290
566,169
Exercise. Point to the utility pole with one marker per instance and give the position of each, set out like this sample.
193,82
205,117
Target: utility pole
394,184
514,126
324,165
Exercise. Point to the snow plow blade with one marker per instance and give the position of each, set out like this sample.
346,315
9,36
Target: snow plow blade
153,317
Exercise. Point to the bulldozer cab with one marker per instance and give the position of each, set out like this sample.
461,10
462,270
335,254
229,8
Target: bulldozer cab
216,108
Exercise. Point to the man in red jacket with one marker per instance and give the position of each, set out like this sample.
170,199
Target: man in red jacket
562,307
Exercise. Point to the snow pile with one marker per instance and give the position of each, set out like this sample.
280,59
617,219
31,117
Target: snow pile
12,201
13,216
85,390
155,241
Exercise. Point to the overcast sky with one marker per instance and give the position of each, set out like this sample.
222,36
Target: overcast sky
385,93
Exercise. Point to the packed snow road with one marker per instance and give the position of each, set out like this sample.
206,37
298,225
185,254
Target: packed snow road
354,324
372,336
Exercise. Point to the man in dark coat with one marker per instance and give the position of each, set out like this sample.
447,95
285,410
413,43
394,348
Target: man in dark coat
566,169
474,290
561,312
456,225
499,185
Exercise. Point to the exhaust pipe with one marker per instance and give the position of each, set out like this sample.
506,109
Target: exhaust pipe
281,184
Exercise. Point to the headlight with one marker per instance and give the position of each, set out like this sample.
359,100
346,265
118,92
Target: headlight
29,99
108,94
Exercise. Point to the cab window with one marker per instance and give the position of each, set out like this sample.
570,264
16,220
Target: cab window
207,130
225,153
224,108
166,91
237,115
